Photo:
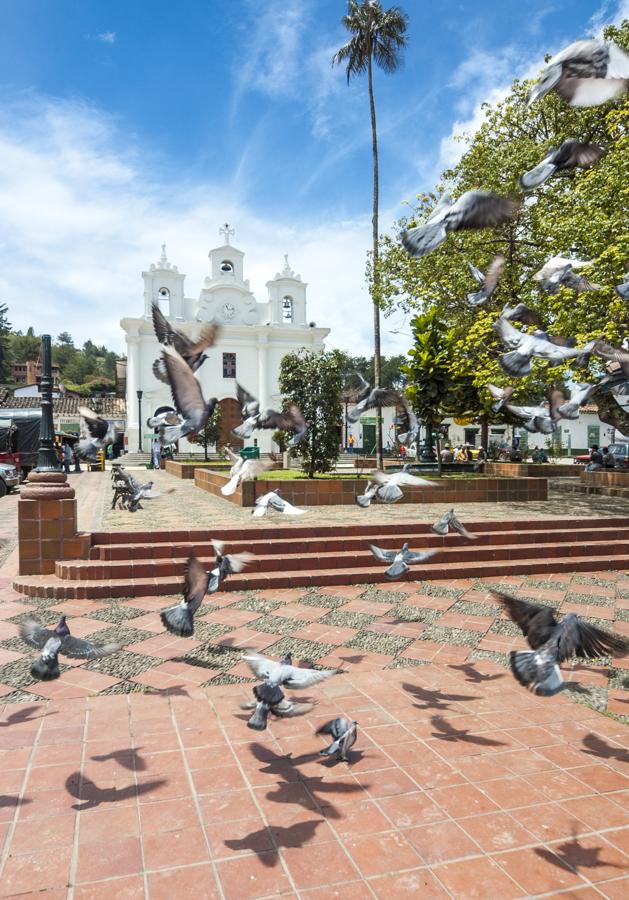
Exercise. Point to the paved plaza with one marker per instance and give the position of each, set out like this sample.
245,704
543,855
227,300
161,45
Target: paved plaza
136,776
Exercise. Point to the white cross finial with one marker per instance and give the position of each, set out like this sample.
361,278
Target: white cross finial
226,230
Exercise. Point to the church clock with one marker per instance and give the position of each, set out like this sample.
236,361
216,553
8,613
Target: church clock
228,310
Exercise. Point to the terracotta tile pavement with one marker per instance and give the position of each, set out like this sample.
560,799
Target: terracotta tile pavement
152,796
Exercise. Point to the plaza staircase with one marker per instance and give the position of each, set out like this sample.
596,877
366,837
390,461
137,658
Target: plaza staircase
133,564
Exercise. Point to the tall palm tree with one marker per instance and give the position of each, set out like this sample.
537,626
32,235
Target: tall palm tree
378,35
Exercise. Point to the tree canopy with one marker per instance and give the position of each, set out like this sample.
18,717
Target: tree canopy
581,212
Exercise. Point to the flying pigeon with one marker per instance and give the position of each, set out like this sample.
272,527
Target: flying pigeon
274,501
283,709
225,565
553,642
282,673
188,399
571,154
343,732
179,619
249,470
449,520
101,433
164,418
144,492
52,643
521,313
473,209
559,271
500,395
622,289
255,418
389,484
488,282
368,494
369,398
236,460
191,351
525,346
612,354
411,424
586,73
399,559
569,409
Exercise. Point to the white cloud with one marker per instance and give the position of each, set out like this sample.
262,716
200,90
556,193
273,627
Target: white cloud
107,37
609,13
81,217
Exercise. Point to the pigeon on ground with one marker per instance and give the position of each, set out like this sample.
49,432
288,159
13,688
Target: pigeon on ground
283,709
571,154
343,732
272,500
369,494
449,520
59,640
521,313
370,398
255,418
282,673
569,409
389,484
622,289
249,470
500,395
553,642
587,73
473,209
145,492
400,559
488,282
101,433
226,564
188,398
526,346
191,351
179,619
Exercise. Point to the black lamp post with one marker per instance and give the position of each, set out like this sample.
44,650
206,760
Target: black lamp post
47,460
427,452
139,421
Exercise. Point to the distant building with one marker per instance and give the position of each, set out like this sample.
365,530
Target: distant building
254,337
65,408
30,372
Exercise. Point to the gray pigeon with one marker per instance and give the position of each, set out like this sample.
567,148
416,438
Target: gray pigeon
101,433
622,289
188,398
370,398
411,423
179,619
500,395
255,418
400,559
164,418
368,494
618,355
52,643
571,154
488,282
587,73
521,313
191,351
343,732
282,673
389,489
283,709
226,564
449,520
272,500
473,209
553,642
526,346
569,409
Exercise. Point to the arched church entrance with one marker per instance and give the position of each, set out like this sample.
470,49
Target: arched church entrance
230,418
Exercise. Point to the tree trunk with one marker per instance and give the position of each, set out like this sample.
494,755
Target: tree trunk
375,281
484,433
610,412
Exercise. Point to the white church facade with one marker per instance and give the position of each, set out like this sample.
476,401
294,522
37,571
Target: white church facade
254,337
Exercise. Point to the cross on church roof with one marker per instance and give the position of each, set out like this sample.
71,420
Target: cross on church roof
226,230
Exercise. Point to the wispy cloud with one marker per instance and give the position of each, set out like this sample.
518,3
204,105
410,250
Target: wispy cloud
81,217
107,37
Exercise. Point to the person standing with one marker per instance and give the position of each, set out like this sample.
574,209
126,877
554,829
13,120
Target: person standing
608,459
66,456
77,458
156,453
350,443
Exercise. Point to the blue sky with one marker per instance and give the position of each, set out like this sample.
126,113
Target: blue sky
125,124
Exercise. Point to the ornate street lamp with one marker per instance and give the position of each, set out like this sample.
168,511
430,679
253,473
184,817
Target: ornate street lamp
47,460
139,393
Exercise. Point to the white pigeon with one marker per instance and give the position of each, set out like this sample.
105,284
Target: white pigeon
586,73
249,470
500,395
570,408
274,501
368,495
236,460
389,489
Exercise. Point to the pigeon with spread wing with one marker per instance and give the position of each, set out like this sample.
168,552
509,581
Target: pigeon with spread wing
101,433
571,154
191,351
188,398
179,619
586,73
400,560
56,641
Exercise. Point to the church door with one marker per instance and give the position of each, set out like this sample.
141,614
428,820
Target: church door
230,418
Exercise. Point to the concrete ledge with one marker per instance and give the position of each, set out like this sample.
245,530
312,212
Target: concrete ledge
532,470
612,478
343,491
187,470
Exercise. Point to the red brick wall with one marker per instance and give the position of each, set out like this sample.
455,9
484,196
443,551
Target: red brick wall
532,470
617,479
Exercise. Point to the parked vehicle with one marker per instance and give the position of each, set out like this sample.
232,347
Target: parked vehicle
19,438
620,452
9,478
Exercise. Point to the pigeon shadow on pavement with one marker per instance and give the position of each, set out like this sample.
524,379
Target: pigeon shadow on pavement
270,838
571,856
85,789
129,759
22,715
434,699
7,802
447,732
473,675
596,746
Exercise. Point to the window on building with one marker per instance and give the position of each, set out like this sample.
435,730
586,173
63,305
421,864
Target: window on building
227,267
229,365
287,309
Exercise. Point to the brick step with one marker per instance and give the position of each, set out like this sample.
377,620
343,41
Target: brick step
80,570
110,538
417,537
49,586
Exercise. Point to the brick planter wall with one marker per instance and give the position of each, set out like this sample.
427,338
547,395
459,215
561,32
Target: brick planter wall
343,491
186,470
532,470
612,478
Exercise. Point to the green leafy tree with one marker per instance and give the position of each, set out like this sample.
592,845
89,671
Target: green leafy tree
210,434
314,382
378,36
585,212
24,347
392,375
5,356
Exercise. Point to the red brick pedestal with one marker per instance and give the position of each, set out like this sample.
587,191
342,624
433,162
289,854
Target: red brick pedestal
47,528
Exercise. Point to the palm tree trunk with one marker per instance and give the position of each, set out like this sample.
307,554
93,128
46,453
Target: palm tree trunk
375,282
